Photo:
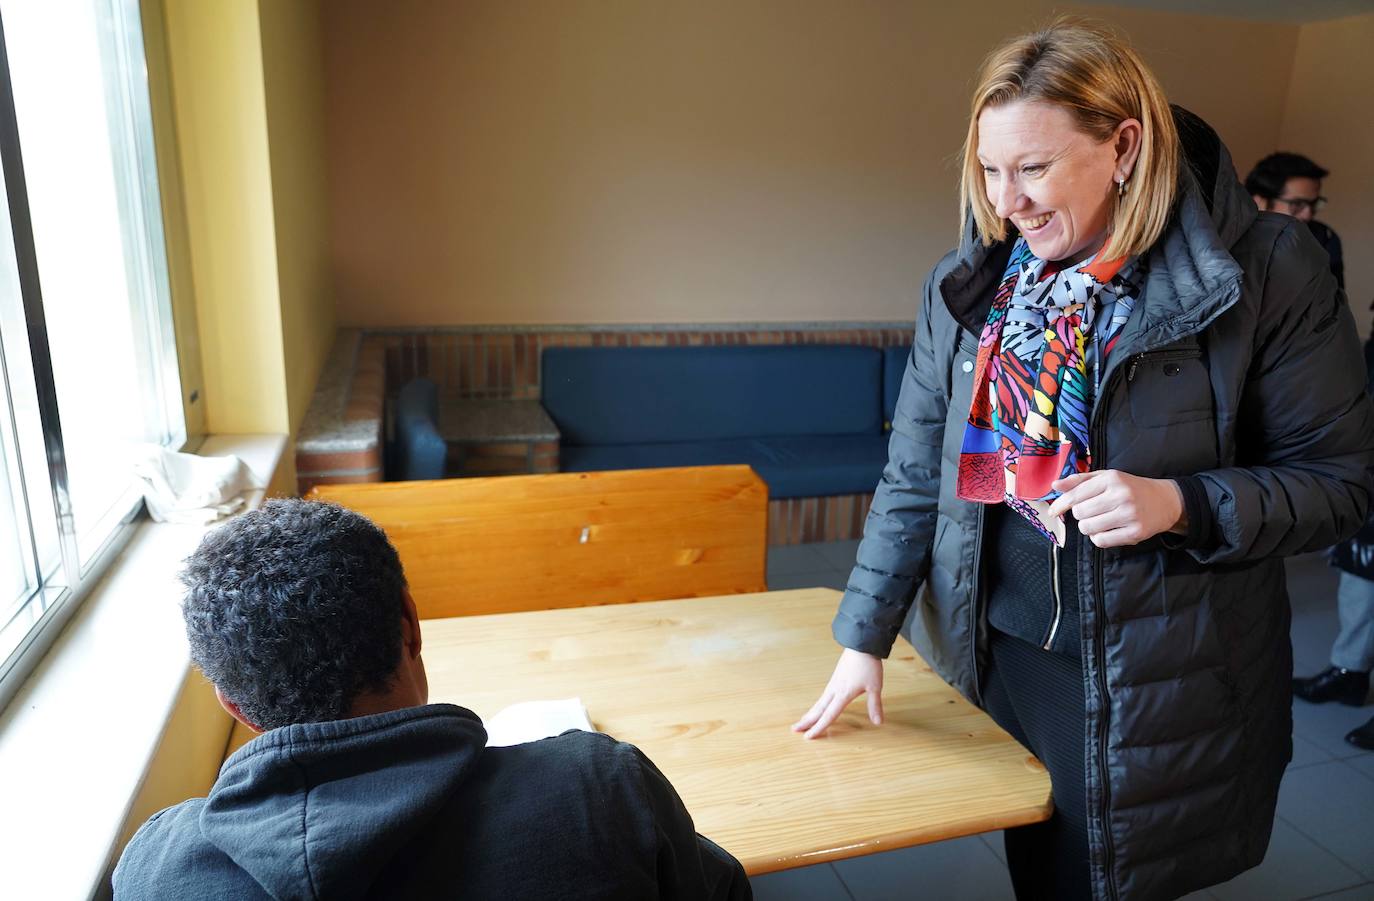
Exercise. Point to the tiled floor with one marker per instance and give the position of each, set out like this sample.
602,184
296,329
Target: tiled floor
1323,841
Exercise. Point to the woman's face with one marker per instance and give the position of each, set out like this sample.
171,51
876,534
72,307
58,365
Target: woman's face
1056,184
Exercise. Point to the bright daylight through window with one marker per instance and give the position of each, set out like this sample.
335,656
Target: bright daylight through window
87,357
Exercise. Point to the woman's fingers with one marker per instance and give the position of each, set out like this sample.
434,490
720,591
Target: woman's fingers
1077,488
1128,510
832,712
875,707
856,673
1123,537
809,718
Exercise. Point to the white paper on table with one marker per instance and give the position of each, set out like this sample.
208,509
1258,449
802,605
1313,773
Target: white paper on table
533,720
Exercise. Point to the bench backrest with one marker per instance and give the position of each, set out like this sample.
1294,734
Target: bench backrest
634,395
497,545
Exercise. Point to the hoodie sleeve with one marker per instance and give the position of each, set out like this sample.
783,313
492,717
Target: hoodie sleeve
894,555
689,866
1305,427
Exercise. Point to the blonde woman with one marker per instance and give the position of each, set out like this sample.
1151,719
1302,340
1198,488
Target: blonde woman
1131,394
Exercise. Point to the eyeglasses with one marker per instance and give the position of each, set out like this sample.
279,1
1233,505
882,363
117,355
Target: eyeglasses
1296,204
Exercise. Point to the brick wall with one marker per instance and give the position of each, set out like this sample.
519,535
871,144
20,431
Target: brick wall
496,364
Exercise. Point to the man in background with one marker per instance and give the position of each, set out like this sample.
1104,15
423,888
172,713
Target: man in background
1292,184
357,787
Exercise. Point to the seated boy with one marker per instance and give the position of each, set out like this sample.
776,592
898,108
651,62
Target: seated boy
299,614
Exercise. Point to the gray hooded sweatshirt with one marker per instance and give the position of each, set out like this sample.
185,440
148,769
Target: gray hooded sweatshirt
410,804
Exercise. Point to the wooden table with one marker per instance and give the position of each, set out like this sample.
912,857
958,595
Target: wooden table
708,687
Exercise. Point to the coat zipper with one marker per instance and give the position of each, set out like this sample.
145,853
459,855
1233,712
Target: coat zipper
1163,356
1099,590
1058,599
1099,644
977,610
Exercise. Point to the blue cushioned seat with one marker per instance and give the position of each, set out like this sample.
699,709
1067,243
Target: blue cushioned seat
894,368
816,466
419,452
822,465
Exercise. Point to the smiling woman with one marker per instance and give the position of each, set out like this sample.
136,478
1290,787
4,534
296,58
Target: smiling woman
1045,176
1098,561
1084,131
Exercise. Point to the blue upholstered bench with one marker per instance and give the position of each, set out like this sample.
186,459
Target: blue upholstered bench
418,451
810,419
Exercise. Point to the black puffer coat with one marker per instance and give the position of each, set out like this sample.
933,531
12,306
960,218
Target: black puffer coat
1356,556
1239,364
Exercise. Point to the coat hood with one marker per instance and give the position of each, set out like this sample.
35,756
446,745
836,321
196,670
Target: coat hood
316,810
1192,277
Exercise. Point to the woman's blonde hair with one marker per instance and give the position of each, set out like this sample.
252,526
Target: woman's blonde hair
1094,75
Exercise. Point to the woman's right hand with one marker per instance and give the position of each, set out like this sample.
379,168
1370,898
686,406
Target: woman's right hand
857,673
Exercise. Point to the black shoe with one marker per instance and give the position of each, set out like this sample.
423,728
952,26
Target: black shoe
1333,684
1363,737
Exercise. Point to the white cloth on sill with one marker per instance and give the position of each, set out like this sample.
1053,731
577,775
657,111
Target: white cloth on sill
185,488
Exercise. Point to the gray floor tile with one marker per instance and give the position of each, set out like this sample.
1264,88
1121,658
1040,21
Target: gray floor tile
1312,582
798,558
1364,763
1333,805
825,579
1305,753
818,883
961,869
1312,633
995,844
839,554
1358,893
1325,725
1295,867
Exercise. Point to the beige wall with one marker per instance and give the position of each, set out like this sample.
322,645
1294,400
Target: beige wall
215,59
527,161
293,80
238,91
1327,118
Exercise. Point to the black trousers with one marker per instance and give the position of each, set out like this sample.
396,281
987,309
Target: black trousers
1037,696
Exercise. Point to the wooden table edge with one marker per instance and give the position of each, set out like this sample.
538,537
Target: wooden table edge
761,866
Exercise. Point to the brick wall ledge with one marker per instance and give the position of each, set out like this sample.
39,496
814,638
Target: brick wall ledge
340,438
564,328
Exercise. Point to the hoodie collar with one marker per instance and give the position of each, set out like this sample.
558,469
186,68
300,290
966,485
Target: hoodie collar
317,810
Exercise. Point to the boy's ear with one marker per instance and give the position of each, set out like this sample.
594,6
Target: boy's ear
410,624
233,710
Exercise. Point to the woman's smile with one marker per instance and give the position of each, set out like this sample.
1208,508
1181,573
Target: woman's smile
1034,225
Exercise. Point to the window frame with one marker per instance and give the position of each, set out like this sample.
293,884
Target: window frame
51,603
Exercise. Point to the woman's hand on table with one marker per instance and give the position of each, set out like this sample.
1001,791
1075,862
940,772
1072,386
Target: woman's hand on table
1117,509
856,673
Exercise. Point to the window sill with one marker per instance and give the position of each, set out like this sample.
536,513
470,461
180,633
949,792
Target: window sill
77,740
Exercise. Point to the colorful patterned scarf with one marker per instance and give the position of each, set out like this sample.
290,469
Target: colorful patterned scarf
1028,424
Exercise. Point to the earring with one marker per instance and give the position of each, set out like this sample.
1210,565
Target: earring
1121,187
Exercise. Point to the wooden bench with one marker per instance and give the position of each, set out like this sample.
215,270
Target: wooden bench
539,542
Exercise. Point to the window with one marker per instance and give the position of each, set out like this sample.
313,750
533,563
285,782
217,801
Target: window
87,357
